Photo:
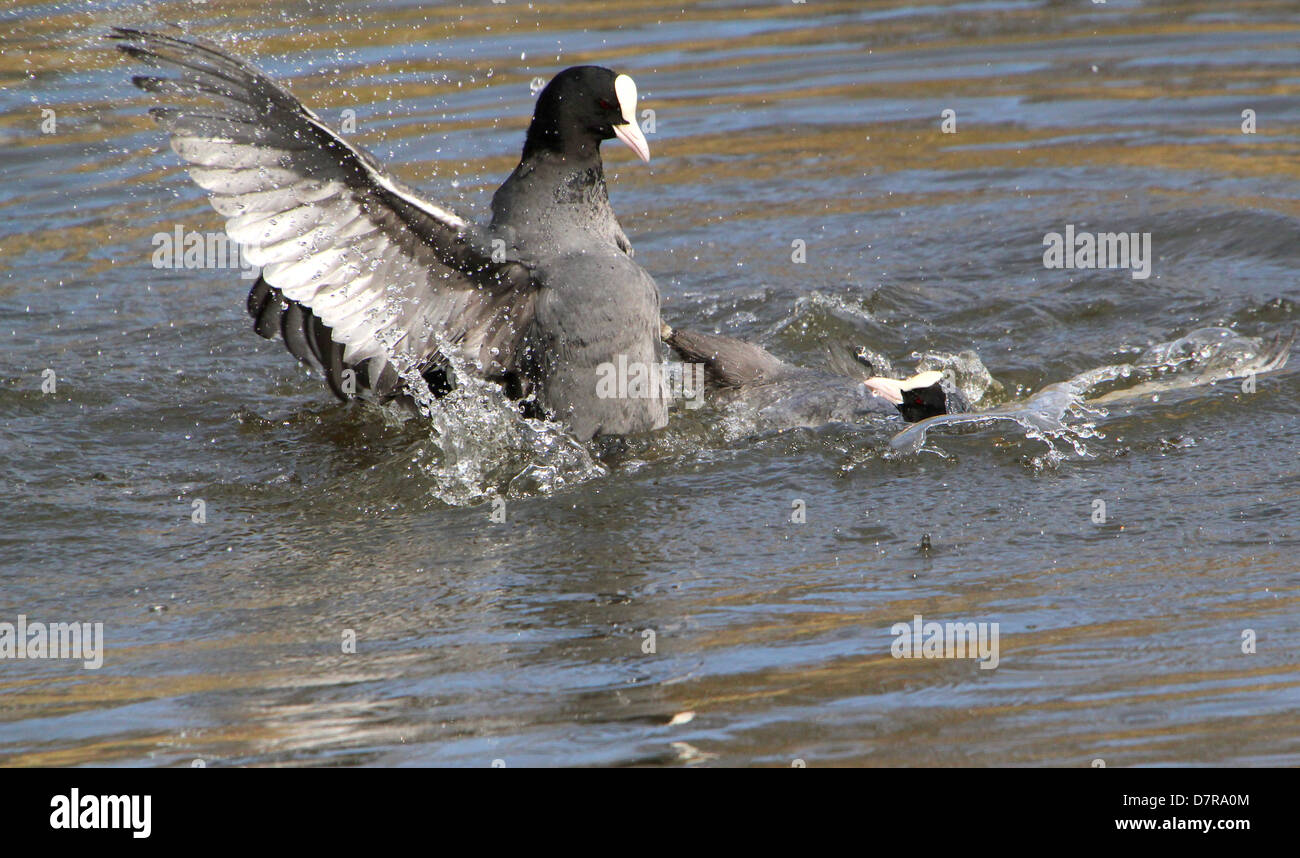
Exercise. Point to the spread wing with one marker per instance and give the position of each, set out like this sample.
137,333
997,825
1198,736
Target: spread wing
359,269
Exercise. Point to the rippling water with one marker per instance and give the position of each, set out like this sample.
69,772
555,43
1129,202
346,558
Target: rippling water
523,641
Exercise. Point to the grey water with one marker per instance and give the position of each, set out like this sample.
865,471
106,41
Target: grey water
721,594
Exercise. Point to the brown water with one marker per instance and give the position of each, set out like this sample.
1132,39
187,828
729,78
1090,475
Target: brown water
522,641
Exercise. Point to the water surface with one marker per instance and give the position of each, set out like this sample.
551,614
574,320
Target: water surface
523,641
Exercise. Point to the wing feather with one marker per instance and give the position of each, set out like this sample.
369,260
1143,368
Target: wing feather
356,267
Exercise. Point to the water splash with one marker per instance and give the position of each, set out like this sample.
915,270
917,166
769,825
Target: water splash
482,447
1046,416
1059,412
1203,357
966,371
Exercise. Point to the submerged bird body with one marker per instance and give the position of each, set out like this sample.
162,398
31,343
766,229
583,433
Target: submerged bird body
784,396
368,282
807,398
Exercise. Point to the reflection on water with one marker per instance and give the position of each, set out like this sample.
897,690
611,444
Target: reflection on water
524,640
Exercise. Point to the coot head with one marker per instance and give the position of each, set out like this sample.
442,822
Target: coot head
581,107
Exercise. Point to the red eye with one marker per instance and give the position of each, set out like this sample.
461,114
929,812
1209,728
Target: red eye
916,400
604,104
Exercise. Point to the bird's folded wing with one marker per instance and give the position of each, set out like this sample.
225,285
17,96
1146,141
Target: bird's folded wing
389,274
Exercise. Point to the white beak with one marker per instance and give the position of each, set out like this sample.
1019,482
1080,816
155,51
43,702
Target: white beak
886,388
629,132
